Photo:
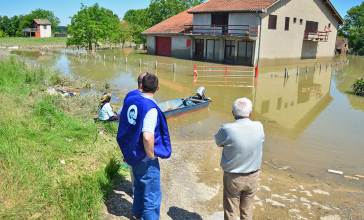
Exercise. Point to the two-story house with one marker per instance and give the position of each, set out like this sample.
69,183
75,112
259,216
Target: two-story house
245,31
40,28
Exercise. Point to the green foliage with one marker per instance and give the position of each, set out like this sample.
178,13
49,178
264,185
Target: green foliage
27,20
2,34
93,25
358,87
14,26
353,29
35,135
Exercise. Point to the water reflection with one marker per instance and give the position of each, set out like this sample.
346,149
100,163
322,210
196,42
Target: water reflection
299,111
294,103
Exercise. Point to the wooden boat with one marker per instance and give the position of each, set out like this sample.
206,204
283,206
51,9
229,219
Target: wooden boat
176,107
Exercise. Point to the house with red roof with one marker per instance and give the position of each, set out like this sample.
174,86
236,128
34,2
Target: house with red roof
246,31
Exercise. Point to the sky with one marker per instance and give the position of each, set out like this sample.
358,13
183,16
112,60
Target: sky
64,9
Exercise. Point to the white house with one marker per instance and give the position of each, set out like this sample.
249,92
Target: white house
40,28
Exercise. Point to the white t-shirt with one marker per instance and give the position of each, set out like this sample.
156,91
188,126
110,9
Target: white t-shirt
150,119
106,112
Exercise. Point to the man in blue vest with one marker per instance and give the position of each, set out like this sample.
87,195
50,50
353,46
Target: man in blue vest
143,137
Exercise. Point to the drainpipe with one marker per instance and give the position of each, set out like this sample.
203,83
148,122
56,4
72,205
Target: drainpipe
260,37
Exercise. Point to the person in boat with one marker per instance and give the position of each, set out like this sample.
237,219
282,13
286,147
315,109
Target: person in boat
143,138
105,112
242,143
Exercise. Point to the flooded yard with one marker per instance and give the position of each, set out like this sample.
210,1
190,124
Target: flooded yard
312,123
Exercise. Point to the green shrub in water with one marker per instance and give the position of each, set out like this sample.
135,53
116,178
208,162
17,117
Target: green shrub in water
358,87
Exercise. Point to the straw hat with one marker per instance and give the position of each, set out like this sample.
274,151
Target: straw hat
105,98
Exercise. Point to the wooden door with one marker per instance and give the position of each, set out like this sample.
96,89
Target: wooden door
163,46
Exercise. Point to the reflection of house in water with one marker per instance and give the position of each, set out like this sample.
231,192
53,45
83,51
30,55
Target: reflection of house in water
293,104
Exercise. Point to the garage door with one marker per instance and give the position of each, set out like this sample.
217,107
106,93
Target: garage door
163,46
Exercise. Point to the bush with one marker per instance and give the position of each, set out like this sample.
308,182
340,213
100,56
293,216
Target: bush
358,87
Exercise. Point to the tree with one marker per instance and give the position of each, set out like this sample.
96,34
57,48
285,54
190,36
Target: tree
93,25
353,29
158,10
138,21
125,32
27,20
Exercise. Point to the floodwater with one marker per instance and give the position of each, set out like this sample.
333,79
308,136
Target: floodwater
312,122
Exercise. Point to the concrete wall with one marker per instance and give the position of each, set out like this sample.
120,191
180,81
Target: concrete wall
179,47
45,31
277,44
201,19
150,44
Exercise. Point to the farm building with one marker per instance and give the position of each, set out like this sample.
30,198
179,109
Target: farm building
40,28
245,31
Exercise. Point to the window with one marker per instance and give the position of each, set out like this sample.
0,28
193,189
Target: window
301,21
294,20
286,24
272,22
45,27
219,19
329,25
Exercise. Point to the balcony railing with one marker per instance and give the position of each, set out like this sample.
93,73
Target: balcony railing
321,36
30,30
222,30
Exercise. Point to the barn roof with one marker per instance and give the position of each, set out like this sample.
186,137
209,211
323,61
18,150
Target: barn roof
42,21
232,5
173,25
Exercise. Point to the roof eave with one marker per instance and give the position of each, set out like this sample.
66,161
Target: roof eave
262,10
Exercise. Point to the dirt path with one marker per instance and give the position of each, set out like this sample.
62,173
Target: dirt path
192,190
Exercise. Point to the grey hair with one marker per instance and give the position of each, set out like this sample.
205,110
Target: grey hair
242,107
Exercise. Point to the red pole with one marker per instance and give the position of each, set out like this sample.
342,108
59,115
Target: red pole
256,71
194,73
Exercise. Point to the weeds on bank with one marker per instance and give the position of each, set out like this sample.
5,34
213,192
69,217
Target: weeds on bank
51,164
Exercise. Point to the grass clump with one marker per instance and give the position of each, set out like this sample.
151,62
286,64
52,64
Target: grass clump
358,87
52,165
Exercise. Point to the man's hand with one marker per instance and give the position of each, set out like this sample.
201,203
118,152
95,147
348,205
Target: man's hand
148,141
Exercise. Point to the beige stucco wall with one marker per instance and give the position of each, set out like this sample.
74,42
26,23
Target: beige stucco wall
277,44
45,31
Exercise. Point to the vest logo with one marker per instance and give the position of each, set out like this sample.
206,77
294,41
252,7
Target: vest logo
132,114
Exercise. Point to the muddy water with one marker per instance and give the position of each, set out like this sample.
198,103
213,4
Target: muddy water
311,120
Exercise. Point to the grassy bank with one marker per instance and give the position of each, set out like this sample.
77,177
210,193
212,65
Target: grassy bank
54,161
33,42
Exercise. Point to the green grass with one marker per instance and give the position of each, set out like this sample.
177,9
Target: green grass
31,42
36,134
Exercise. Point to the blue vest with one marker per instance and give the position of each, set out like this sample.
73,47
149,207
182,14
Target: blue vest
130,135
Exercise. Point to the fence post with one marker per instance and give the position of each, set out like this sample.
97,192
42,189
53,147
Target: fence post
104,56
114,58
126,59
256,71
194,73
156,65
174,68
140,62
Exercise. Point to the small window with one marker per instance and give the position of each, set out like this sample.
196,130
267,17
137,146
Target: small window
45,26
286,24
294,20
329,25
272,22
301,21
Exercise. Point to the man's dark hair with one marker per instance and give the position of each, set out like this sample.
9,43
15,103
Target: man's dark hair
150,83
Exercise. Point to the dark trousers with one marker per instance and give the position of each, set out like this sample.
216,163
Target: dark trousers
147,190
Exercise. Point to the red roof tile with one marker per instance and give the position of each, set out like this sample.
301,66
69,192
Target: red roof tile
232,5
173,25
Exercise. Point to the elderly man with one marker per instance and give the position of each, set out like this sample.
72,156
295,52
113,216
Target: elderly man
242,143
